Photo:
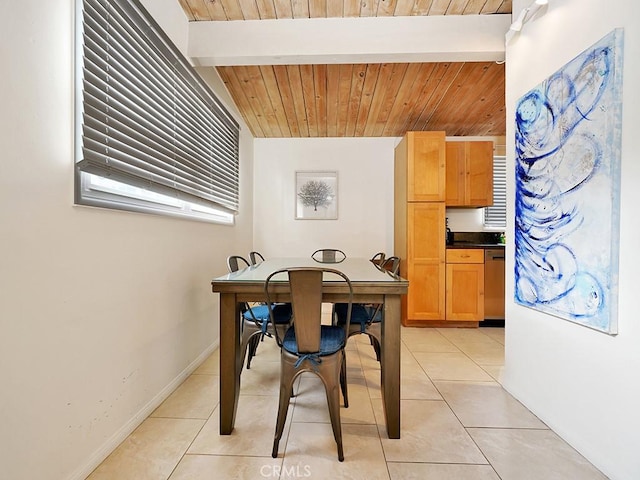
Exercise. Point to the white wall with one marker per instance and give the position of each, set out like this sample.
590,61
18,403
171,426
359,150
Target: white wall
584,384
365,197
101,312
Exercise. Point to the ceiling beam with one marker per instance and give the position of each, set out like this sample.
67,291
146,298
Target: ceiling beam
444,38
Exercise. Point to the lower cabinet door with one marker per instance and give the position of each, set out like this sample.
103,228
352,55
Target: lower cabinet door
465,292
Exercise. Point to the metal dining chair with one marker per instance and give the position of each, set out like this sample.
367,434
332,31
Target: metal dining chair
367,318
310,346
255,257
255,318
328,255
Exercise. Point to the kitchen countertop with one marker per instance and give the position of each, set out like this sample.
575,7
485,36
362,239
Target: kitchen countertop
475,245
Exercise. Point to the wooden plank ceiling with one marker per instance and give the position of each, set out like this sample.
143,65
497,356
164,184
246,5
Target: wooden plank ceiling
355,100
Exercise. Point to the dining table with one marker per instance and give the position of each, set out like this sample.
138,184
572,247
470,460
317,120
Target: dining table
370,283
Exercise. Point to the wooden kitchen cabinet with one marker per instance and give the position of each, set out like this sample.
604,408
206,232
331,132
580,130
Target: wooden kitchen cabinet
465,285
469,174
419,224
424,158
426,265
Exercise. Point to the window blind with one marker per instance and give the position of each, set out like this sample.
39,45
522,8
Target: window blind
147,118
496,215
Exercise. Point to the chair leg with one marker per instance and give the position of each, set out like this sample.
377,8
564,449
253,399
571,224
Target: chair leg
376,347
343,380
253,348
286,390
333,400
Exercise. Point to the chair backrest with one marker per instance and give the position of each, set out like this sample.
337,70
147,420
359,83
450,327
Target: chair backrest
378,258
255,257
236,262
392,264
328,255
306,287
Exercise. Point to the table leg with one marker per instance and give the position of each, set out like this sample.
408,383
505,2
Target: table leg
390,364
230,361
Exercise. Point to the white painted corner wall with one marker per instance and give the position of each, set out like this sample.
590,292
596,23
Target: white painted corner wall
584,384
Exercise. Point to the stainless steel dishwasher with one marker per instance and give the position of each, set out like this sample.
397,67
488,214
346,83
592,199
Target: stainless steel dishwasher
494,283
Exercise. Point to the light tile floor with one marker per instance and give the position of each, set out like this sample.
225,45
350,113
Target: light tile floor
457,422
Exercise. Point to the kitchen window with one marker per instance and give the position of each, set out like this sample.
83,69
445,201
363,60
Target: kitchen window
150,135
495,216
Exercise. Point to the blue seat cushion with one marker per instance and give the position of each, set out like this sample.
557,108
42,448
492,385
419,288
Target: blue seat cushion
332,339
359,314
281,313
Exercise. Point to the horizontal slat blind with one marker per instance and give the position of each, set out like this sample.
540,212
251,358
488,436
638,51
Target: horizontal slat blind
148,120
496,215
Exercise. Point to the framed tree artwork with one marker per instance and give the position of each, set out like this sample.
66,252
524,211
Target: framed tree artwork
316,195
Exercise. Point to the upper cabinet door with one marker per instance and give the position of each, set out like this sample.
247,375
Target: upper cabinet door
469,174
480,174
426,166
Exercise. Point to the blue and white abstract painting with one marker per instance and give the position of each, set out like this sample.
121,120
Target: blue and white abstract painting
568,136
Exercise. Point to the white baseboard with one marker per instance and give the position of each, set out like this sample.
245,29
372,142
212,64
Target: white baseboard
118,437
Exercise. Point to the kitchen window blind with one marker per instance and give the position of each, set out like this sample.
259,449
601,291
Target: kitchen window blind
495,216
145,118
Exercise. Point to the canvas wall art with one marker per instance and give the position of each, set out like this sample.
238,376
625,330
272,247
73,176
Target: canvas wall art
568,137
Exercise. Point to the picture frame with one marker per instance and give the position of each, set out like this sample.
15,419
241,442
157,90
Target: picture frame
316,195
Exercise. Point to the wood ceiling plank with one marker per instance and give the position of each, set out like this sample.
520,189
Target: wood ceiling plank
452,113
359,72
457,7
232,9
384,76
474,7
404,8
309,95
320,86
199,10
488,105
390,97
249,10
506,7
248,76
264,100
300,8
295,81
216,10
416,74
334,9
491,121
266,9
275,97
439,7
333,86
283,8
318,8
186,9
368,8
351,8
230,79
491,6
284,88
368,92
423,7
430,96
344,91
386,8
423,89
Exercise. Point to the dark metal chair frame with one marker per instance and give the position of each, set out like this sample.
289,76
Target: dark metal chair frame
257,326
309,346
328,255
